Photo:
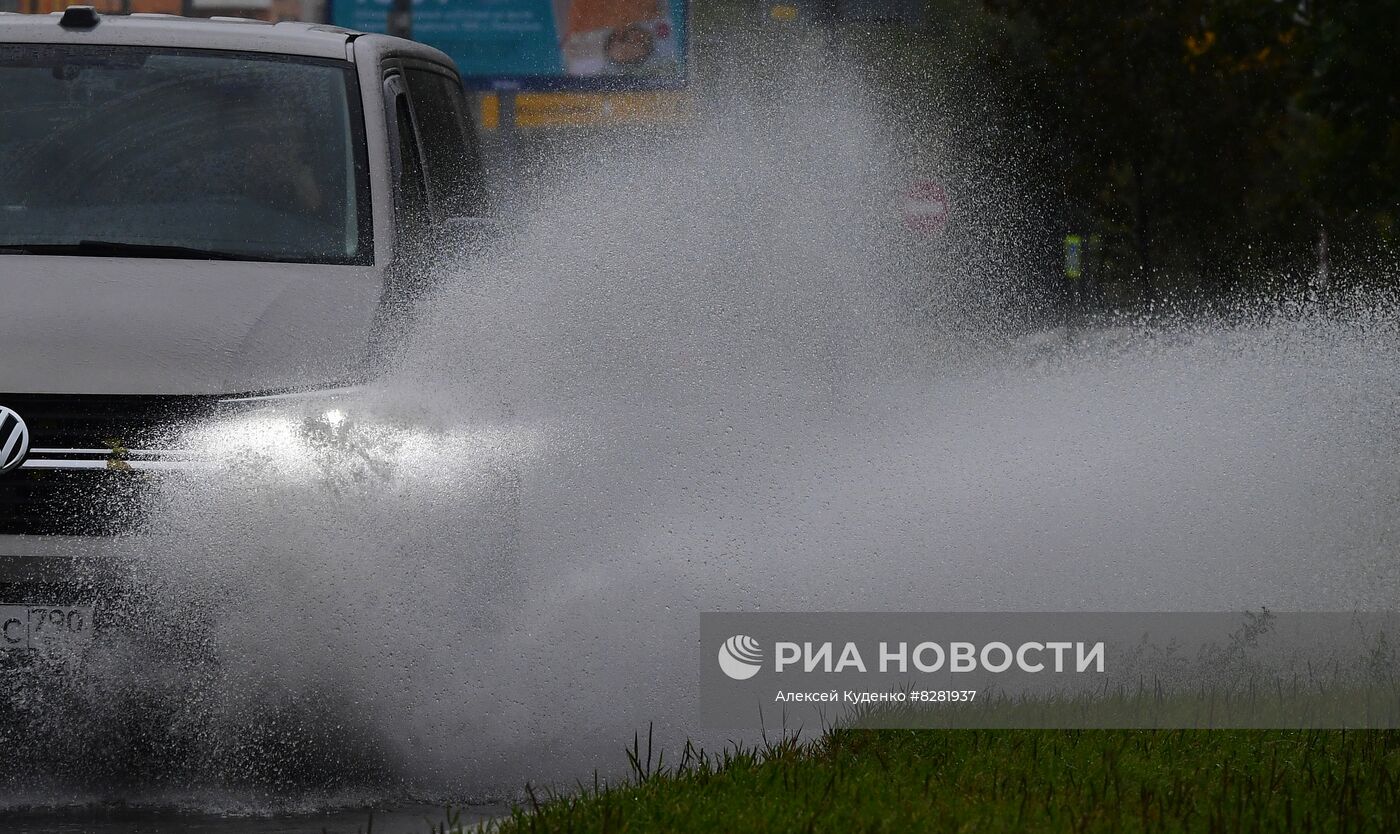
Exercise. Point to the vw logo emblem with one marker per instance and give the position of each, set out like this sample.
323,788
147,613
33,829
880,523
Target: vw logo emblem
14,440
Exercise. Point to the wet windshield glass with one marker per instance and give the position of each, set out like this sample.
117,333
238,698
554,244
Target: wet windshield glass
180,153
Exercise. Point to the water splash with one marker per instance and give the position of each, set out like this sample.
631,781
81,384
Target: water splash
696,379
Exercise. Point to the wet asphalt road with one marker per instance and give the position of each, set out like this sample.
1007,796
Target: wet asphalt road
404,820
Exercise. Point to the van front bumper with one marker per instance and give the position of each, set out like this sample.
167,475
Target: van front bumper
75,563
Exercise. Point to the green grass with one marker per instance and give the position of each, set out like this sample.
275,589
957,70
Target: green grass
1002,780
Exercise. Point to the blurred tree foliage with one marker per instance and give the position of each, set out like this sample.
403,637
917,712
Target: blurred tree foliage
1206,147
1210,144
1203,148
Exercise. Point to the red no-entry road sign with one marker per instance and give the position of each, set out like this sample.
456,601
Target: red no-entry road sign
925,207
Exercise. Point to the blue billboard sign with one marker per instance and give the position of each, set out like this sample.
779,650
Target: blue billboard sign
545,44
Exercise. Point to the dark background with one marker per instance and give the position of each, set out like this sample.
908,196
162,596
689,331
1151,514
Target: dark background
1203,149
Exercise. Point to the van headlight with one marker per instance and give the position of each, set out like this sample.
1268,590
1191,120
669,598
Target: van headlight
314,434
340,434
339,443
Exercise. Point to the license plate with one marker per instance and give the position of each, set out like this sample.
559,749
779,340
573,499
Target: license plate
44,626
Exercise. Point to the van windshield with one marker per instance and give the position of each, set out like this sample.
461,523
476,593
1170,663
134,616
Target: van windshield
151,152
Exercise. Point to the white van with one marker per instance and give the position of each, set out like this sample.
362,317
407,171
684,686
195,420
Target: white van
195,215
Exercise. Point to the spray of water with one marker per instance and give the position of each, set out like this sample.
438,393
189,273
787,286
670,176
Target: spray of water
712,374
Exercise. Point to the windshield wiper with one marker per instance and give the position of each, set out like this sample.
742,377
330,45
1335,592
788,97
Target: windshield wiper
115,249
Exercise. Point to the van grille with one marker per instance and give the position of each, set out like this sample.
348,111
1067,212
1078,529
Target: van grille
64,421
80,503
92,501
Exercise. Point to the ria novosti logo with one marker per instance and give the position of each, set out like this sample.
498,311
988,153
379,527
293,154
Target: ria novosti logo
740,657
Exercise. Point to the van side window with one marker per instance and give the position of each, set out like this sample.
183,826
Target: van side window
410,195
449,144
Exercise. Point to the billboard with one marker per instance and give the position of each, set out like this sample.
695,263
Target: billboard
545,44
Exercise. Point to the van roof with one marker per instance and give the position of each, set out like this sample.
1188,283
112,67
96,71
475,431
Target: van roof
231,33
